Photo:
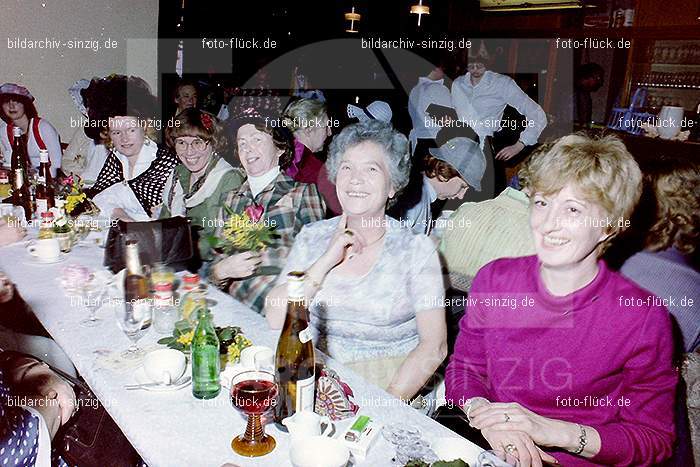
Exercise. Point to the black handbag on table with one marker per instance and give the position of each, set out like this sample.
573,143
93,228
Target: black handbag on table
167,241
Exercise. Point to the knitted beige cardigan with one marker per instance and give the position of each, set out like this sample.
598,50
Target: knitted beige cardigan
478,233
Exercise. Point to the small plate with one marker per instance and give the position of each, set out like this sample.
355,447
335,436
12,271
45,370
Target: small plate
141,378
61,258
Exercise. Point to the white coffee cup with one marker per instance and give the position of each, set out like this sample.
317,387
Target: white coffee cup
46,249
258,357
318,451
307,423
164,365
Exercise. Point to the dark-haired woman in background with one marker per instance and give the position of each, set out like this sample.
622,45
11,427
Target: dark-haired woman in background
197,185
265,153
17,110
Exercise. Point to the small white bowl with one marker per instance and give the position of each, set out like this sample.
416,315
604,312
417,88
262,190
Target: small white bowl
162,363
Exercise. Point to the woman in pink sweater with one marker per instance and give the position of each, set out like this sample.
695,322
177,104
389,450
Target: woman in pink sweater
560,359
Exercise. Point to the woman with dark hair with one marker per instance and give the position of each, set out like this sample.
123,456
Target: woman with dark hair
185,96
17,110
87,151
265,153
196,186
130,183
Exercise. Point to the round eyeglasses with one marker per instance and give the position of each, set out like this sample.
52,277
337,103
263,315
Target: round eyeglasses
181,145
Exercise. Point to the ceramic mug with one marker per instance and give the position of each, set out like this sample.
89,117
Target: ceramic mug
46,249
163,364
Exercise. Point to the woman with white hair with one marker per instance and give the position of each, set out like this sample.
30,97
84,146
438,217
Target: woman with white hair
375,288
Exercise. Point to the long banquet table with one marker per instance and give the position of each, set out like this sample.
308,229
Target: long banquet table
172,429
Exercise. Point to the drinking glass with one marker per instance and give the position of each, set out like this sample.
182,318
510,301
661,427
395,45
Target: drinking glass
496,458
253,393
161,272
91,294
134,319
409,444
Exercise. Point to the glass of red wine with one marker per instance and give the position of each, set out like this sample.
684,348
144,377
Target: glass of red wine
254,393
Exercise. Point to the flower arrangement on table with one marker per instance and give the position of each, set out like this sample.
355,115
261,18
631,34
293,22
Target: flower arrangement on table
244,232
70,188
231,340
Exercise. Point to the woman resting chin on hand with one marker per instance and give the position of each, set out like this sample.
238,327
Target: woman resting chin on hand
547,347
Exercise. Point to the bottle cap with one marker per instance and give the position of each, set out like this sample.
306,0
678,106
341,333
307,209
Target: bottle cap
46,215
43,155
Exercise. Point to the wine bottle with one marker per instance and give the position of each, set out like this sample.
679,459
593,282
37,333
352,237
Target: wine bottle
205,357
44,185
21,195
136,288
295,354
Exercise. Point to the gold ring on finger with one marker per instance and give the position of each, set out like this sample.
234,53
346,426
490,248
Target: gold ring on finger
510,448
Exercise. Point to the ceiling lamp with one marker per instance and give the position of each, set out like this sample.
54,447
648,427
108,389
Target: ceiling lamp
352,17
420,10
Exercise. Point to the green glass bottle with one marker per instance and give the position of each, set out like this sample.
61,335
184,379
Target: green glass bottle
205,357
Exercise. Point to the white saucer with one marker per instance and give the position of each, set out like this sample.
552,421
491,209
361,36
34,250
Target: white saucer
61,258
141,378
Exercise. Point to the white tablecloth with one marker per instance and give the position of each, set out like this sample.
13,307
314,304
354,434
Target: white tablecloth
172,429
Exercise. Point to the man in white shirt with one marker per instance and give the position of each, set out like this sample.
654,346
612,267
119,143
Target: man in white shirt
479,98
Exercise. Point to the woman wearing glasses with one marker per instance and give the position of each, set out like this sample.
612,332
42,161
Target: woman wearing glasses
202,177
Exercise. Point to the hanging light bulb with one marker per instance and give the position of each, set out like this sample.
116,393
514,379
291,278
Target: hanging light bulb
420,10
352,17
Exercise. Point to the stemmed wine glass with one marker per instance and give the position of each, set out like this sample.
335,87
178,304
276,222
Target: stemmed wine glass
134,318
91,294
253,393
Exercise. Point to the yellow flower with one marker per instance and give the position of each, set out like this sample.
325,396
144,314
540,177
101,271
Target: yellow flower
233,353
242,341
186,339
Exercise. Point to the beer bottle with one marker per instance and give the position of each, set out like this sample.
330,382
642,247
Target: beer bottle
21,195
44,185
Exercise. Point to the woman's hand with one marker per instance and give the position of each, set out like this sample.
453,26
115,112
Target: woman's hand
238,266
512,416
344,244
50,386
518,444
10,233
7,288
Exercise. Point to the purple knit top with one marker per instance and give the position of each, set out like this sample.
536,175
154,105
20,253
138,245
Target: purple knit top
601,356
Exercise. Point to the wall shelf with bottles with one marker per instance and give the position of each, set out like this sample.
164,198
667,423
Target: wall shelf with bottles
669,69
